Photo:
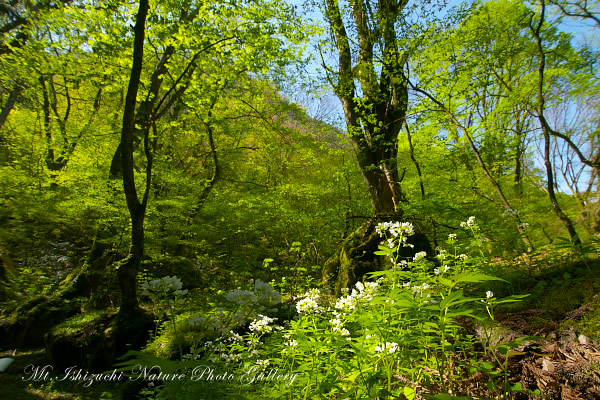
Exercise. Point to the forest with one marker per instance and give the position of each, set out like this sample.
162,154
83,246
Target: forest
302,199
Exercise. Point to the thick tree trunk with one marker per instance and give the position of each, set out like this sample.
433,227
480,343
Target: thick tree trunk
355,257
9,105
375,101
127,273
6,109
375,119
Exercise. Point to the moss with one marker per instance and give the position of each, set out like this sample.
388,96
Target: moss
78,322
353,259
356,257
165,343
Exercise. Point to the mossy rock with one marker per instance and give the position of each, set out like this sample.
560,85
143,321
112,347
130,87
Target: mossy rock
181,267
76,284
29,323
355,257
93,341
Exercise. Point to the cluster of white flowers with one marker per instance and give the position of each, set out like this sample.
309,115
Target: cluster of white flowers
249,303
365,290
470,223
191,355
338,326
230,358
263,297
308,304
442,270
387,347
167,288
261,324
420,256
452,237
361,292
463,257
262,364
395,228
399,231
290,347
441,254
227,348
346,304
421,290
402,265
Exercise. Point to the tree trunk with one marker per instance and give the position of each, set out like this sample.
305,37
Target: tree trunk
374,120
504,201
127,273
8,106
372,86
546,130
596,227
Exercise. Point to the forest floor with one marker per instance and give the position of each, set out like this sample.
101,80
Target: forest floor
563,311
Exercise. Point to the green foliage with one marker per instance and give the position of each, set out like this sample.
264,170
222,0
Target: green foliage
247,188
388,337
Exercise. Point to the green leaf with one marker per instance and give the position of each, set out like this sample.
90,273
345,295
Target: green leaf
516,387
474,277
409,392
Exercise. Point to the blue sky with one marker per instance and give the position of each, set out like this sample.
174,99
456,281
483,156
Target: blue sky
326,106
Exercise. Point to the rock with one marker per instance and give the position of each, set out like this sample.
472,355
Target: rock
5,363
181,267
95,345
548,366
33,319
584,339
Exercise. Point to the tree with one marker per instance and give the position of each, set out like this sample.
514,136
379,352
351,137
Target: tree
536,31
580,9
584,88
471,73
243,35
127,273
370,82
372,41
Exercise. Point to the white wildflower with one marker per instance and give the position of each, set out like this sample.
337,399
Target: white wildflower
263,364
387,347
261,324
469,223
420,256
308,304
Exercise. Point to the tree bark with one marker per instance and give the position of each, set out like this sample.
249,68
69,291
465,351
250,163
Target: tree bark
9,105
372,86
374,120
596,227
127,272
